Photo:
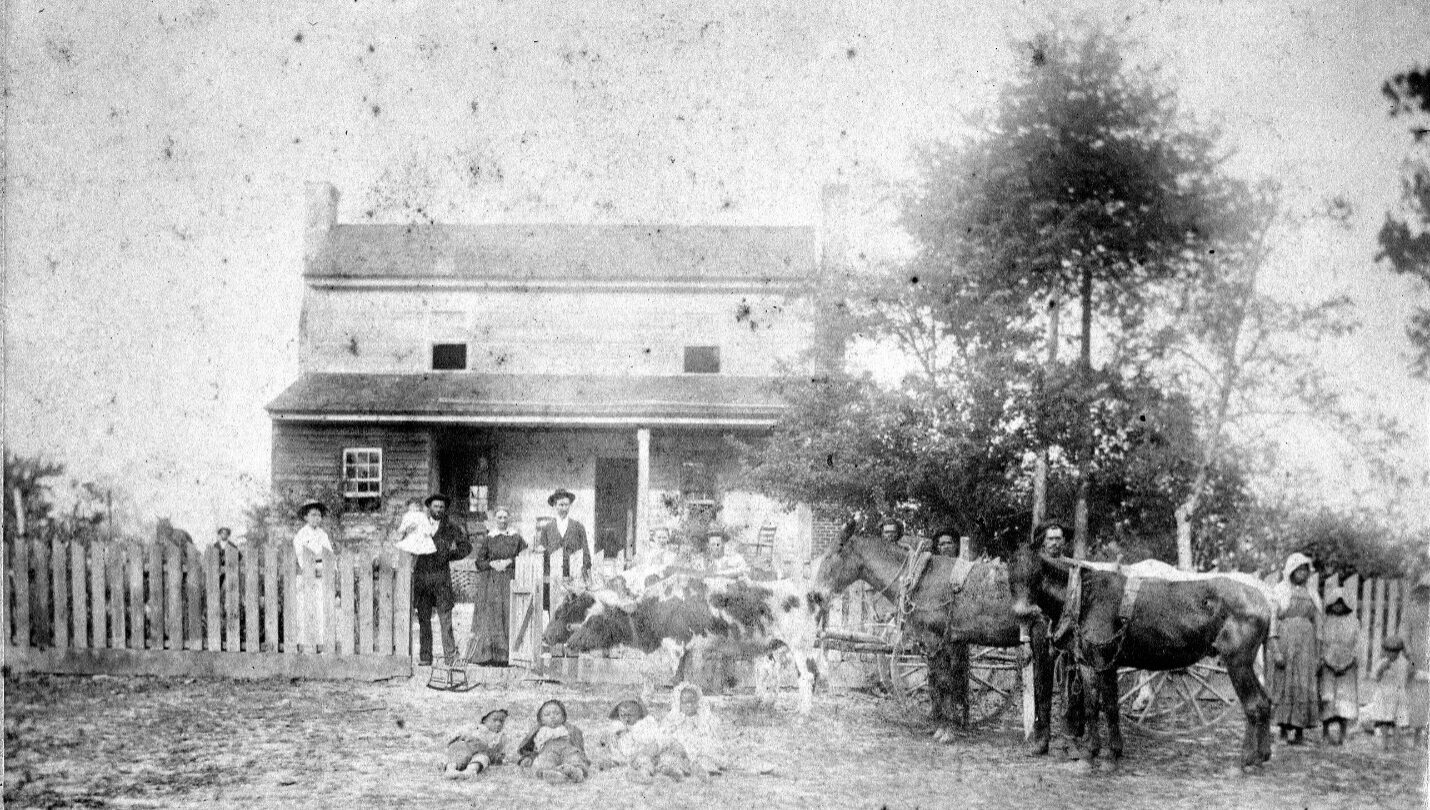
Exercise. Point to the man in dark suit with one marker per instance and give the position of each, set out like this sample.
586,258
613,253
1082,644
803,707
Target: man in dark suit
432,581
564,532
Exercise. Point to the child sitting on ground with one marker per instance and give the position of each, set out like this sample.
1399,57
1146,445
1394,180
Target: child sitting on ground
475,750
414,533
554,750
633,738
1340,635
694,735
1391,708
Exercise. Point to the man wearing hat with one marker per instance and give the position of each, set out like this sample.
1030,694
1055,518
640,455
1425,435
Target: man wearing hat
432,580
564,532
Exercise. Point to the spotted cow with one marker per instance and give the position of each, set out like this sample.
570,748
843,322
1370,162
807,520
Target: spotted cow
671,616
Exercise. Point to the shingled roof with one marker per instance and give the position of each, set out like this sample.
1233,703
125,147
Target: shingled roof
566,252
533,399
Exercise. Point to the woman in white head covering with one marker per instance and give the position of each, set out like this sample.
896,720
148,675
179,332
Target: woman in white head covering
1293,651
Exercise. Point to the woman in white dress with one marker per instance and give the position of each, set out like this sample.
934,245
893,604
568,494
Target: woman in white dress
310,544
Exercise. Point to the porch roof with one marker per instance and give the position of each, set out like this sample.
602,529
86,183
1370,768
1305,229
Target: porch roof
532,399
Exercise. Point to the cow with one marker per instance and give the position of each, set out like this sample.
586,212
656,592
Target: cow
671,616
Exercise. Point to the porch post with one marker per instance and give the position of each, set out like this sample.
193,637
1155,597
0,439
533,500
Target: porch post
642,489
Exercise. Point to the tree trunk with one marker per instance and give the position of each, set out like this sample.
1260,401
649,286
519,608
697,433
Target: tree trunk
1184,528
1084,461
1040,470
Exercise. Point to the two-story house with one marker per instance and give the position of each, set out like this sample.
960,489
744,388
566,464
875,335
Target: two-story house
498,362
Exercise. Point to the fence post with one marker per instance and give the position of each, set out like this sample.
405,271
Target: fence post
98,604
116,561
288,565
402,605
365,603
59,579
385,616
345,627
193,562
270,598
327,599
137,628
79,602
154,595
213,600
20,579
173,597
250,599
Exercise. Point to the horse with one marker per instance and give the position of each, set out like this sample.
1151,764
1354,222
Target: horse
1112,618
944,618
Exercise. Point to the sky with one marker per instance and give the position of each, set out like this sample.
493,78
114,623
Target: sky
156,154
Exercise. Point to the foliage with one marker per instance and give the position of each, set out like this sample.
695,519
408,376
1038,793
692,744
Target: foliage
263,517
32,478
1341,542
1405,240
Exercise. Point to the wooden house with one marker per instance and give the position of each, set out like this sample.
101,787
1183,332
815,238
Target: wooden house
498,362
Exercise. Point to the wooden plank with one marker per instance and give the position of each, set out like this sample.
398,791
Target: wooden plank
250,599
20,581
213,601
78,596
288,565
327,593
365,605
402,606
1395,601
270,598
135,559
385,615
98,604
232,578
117,564
173,597
208,664
154,595
193,598
59,590
343,626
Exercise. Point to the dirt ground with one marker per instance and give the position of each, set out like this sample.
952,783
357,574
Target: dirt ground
154,742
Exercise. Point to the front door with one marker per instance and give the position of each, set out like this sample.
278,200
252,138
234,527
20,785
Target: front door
616,480
465,473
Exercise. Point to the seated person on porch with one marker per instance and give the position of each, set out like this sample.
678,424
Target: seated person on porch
660,551
722,559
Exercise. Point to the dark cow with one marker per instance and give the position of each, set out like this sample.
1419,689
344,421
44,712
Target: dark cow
671,616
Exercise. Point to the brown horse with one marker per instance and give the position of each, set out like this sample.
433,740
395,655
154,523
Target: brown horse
1169,624
944,620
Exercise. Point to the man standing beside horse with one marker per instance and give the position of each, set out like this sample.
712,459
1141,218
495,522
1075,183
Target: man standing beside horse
432,581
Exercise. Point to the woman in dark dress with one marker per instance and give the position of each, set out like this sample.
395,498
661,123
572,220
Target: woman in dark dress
495,556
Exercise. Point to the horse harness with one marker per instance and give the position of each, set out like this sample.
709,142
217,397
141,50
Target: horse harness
912,573
1071,620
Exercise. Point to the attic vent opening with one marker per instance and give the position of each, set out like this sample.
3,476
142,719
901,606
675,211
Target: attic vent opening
449,357
702,359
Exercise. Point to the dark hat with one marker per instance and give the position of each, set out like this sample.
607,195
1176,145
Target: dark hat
558,495
437,496
503,712
1392,644
311,505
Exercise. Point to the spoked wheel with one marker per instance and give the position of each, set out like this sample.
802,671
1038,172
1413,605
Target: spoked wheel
1175,701
994,680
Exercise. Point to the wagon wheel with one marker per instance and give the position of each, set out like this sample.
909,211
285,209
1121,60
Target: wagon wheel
1175,701
994,680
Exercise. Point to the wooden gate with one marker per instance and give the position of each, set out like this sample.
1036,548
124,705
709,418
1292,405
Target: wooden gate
541,582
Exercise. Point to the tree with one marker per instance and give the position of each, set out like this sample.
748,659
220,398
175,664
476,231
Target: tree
28,480
1086,184
1405,241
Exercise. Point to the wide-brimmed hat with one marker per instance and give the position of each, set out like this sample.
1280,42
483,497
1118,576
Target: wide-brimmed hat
503,712
437,496
310,505
559,494
1393,644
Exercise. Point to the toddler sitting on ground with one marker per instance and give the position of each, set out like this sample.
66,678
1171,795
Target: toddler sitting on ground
554,750
475,750
694,734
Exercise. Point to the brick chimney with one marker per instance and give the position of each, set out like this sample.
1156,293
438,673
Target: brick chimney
833,225
322,202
